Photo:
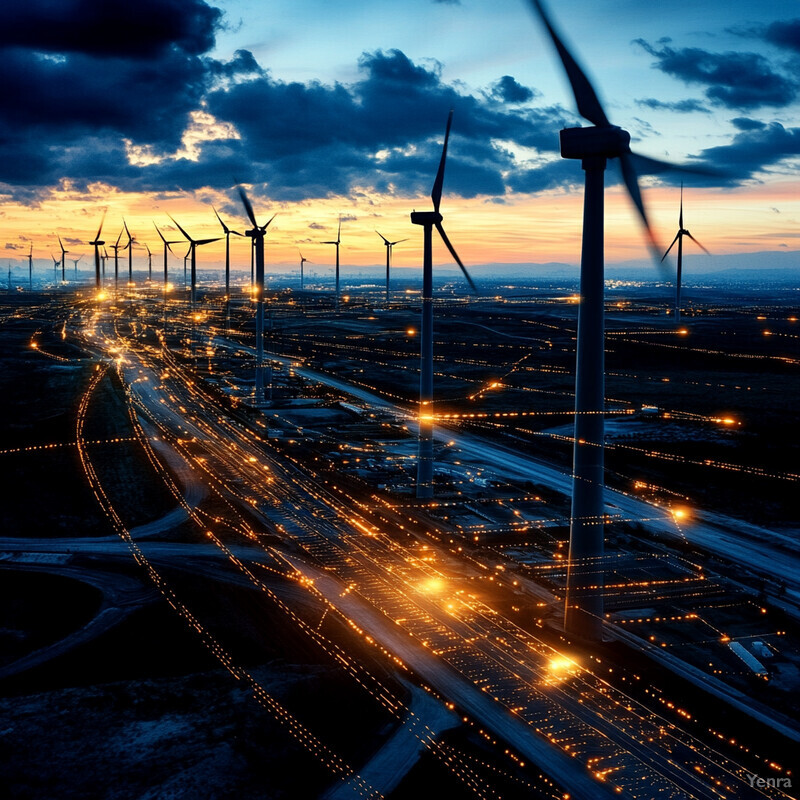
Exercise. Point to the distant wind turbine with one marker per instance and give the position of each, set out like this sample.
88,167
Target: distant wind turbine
302,261
257,234
166,269
116,247
430,220
337,243
149,264
75,262
63,261
98,284
193,245
131,240
389,246
228,231
592,146
30,268
679,239
56,262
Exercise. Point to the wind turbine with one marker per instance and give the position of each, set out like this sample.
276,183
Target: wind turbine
257,235
389,246
337,243
96,243
103,259
116,248
583,614
30,268
56,262
75,262
149,264
430,220
131,240
228,233
302,261
63,260
193,245
679,239
166,271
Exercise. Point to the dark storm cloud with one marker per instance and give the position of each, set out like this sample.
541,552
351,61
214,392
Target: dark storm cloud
681,106
74,69
756,148
384,131
140,29
735,80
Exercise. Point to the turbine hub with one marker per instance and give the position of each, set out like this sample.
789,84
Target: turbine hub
605,142
425,217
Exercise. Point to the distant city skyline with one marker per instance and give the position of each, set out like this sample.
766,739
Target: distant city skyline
323,111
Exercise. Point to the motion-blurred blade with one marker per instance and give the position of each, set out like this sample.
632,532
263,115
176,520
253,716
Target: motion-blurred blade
632,184
697,243
677,236
645,165
455,256
248,206
585,96
436,192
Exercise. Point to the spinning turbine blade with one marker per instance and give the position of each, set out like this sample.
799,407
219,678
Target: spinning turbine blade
186,235
248,207
100,229
585,96
455,256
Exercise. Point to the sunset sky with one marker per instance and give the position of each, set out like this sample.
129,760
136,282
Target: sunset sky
321,109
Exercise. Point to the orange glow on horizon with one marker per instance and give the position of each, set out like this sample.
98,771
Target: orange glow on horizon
523,229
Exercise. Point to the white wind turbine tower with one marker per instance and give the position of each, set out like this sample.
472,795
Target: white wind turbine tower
430,220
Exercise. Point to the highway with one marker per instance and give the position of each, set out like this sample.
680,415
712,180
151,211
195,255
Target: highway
556,712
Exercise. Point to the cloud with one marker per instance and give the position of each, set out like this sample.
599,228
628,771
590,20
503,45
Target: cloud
139,30
781,33
735,80
755,149
508,90
687,106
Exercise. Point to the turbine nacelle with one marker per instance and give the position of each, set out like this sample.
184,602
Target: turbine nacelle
607,142
426,217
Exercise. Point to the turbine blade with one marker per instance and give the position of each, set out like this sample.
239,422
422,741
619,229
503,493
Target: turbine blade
632,184
186,235
207,241
652,166
398,242
224,226
264,227
159,232
585,97
436,192
125,225
100,229
680,217
455,256
248,206
697,243
383,237
677,236
339,231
